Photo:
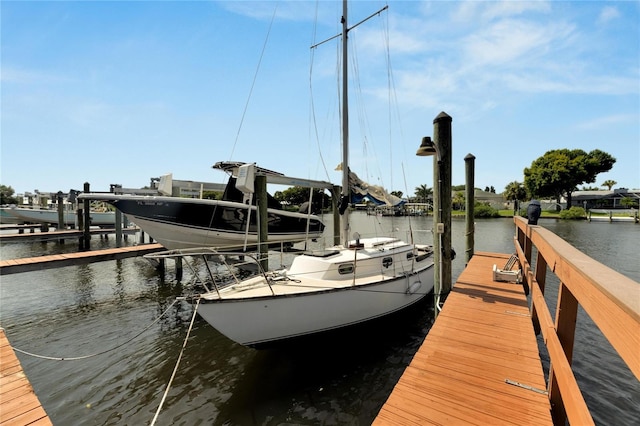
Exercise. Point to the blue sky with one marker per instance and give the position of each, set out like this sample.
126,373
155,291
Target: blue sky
122,91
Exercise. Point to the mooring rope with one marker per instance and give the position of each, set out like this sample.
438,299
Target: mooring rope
175,369
102,352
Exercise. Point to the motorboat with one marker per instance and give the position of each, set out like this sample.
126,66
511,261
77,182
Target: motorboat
50,216
228,223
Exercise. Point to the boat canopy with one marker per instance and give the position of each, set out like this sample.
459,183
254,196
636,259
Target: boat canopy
232,167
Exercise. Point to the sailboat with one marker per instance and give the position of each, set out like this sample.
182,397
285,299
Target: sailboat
350,283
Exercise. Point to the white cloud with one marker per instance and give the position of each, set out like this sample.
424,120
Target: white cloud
28,76
513,42
607,121
511,8
608,14
477,11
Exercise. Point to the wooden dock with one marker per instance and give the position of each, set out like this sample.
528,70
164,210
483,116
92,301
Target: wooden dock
59,234
14,266
479,364
19,405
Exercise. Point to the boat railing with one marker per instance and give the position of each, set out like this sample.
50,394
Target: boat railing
608,297
229,261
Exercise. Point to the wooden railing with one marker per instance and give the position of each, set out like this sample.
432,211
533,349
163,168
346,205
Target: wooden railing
608,297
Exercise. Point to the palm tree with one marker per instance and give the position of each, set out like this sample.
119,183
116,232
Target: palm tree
423,192
458,200
516,192
609,184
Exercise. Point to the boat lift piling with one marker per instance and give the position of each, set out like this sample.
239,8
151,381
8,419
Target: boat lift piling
86,240
61,224
335,196
263,216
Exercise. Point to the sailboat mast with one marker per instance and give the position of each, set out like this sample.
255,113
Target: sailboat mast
345,129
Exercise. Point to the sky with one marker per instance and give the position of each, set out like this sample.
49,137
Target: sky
118,92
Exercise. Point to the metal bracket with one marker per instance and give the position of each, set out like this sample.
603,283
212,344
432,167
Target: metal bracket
527,387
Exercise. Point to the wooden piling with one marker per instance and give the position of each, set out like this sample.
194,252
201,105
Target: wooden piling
118,224
263,216
87,219
469,167
442,140
61,224
335,197
178,265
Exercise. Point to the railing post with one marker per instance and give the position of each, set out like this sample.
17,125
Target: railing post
528,245
566,315
541,278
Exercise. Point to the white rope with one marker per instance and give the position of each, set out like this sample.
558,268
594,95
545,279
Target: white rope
175,369
102,352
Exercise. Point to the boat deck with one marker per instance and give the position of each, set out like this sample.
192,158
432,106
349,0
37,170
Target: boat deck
19,405
257,286
479,364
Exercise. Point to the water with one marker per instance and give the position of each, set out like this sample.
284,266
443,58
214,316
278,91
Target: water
336,379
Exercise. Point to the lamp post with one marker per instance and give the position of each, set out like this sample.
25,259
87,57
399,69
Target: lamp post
428,148
444,254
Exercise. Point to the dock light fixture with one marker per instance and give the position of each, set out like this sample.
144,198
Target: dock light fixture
427,148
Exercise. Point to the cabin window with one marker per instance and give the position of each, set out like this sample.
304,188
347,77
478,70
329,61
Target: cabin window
345,268
387,261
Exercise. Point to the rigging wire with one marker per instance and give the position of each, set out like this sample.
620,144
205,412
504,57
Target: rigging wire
253,83
244,112
312,108
101,352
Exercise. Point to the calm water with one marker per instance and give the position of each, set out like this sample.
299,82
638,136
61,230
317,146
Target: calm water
338,379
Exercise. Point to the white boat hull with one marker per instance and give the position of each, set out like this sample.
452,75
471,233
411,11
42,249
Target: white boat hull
266,320
51,216
182,237
179,223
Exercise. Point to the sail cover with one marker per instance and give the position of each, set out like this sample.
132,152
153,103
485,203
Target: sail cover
361,190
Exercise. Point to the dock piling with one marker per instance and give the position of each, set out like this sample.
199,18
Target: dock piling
87,219
469,167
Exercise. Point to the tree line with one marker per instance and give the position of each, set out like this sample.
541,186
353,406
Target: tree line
554,175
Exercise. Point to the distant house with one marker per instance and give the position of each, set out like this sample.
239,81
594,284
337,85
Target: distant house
604,199
496,201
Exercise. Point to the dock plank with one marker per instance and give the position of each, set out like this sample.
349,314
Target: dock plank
19,404
483,337
14,266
